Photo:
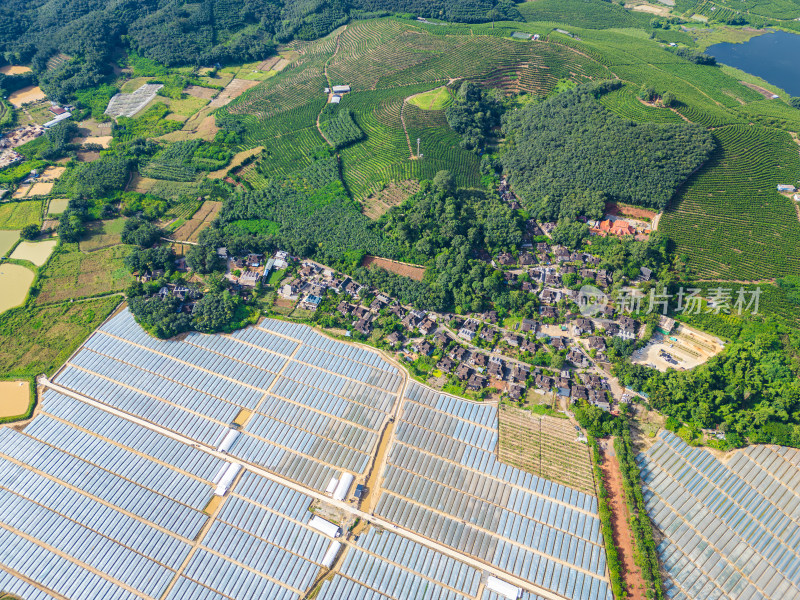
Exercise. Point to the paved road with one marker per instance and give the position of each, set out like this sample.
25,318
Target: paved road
447,551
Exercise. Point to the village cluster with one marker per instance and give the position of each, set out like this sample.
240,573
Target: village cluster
476,350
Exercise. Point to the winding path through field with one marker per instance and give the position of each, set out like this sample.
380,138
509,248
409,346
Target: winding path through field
327,77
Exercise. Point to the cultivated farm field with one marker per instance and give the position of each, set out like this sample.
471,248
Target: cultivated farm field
16,215
729,219
75,274
545,446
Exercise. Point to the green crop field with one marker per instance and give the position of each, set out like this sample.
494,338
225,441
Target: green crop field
625,103
437,99
582,13
729,219
16,215
75,274
38,339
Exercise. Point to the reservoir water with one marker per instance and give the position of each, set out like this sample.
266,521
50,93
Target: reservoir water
772,56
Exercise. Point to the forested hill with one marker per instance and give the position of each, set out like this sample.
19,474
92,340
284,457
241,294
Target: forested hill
177,32
571,143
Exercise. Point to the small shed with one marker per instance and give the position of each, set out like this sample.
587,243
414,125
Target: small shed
324,526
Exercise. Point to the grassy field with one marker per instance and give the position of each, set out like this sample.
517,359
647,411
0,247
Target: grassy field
544,446
36,339
729,219
16,215
102,234
437,99
75,274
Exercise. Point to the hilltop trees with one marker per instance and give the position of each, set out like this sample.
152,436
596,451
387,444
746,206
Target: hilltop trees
570,142
473,114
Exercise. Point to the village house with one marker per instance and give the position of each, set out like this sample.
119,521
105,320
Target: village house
288,291
583,326
249,278
519,373
362,313
603,278
579,392
363,326
550,296
597,343
587,274
559,343
515,392
476,383
548,312
310,302
528,346
577,358
504,258
466,334
627,328
460,354
397,310
512,339
463,371
480,360
394,339
529,325
423,348
487,334
543,383
446,364
427,326
552,278
345,308
441,339
526,258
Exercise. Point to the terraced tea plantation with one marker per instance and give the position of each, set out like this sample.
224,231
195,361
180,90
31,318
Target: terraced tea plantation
729,219
386,61
544,446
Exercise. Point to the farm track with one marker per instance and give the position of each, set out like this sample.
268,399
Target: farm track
328,79
623,539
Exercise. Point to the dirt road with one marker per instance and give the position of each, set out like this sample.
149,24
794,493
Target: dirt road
623,538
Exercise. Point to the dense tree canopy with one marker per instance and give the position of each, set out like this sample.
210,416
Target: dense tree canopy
473,114
571,143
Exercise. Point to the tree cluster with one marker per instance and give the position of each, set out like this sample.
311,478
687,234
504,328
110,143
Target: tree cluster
570,142
473,114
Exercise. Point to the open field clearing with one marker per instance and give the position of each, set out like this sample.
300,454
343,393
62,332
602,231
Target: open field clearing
26,95
21,192
140,184
14,70
437,99
14,283
233,90
190,231
75,274
15,398
626,210
102,140
688,346
546,447
759,493
236,161
37,340
413,271
729,219
16,215
378,203
8,237
102,234
35,252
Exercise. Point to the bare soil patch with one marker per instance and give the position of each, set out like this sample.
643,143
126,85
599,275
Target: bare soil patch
623,539
88,155
14,398
14,70
198,91
140,184
415,272
626,210
41,188
763,91
378,203
26,95
236,161
234,89
102,140
190,231
269,63
662,11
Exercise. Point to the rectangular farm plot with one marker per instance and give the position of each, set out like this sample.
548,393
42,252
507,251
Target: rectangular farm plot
545,446
16,215
442,478
318,405
76,274
190,231
730,531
